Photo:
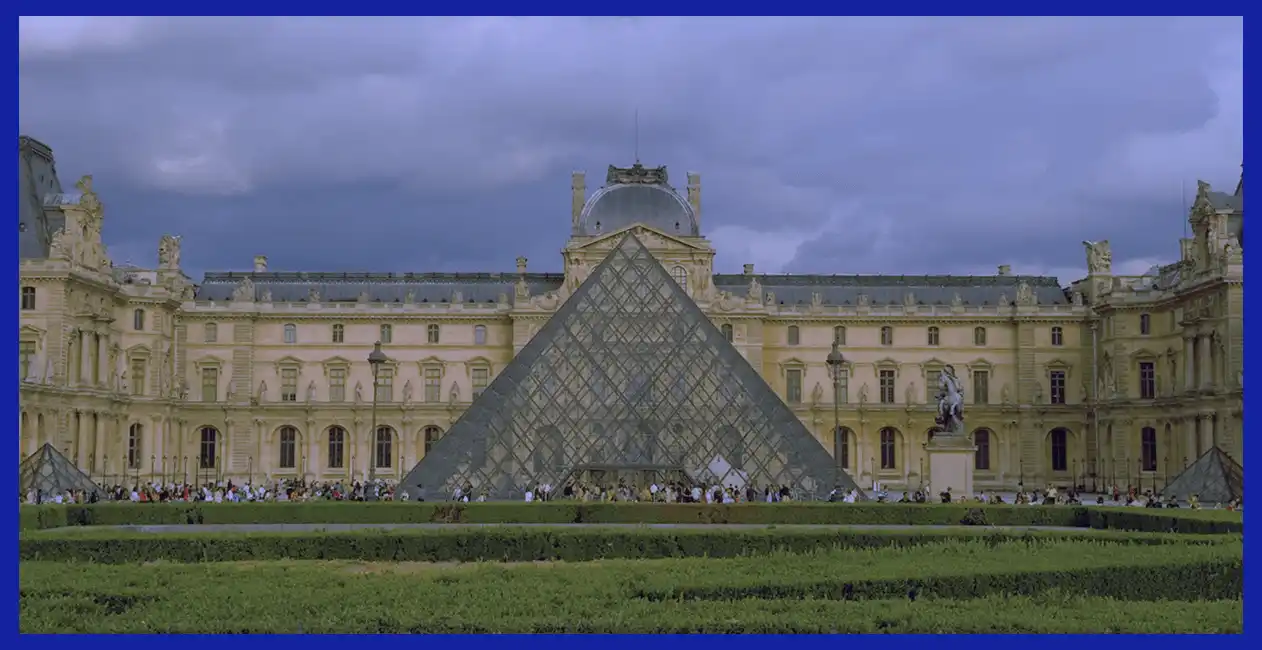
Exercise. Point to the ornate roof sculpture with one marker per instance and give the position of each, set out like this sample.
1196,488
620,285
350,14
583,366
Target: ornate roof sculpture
1213,478
637,194
628,375
50,472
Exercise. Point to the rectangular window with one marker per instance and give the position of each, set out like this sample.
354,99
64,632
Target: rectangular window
433,385
26,352
1148,449
981,386
843,386
28,298
337,449
337,384
431,334
480,380
339,333
289,384
138,376
1145,324
931,385
210,384
385,385
1058,386
1147,380
793,386
887,386
387,334
211,332
795,335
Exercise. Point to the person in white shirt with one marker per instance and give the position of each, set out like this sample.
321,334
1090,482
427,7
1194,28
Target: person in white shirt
530,496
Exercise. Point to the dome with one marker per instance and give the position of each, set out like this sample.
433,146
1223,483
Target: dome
637,195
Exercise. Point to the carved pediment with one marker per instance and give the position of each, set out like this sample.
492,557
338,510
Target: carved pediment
1144,353
139,350
979,364
792,362
30,331
289,361
652,238
931,364
209,362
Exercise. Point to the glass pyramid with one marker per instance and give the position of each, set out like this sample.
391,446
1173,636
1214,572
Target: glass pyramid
51,473
628,382
1214,478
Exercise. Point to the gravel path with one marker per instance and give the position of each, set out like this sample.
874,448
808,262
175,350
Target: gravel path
315,528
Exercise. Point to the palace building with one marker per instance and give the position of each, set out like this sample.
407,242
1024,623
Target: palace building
141,374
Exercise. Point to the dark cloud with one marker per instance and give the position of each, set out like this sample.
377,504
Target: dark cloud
825,145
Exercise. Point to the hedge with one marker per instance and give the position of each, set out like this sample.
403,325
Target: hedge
115,514
517,544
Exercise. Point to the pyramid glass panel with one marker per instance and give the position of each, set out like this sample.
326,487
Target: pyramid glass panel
628,381
49,472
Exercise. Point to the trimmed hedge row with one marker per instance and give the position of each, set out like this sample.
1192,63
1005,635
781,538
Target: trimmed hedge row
113,514
519,544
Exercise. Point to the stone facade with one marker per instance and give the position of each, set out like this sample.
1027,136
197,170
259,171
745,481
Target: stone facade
142,373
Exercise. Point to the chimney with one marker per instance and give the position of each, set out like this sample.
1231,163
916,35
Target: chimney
578,197
260,264
694,195
1005,269
749,269
521,266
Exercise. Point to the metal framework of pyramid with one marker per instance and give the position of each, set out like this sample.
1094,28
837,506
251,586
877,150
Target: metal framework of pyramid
627,379
1213,478
50,472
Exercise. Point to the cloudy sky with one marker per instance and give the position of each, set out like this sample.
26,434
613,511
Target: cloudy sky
825,145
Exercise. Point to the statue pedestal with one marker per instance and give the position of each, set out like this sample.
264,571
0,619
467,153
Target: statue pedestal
951,465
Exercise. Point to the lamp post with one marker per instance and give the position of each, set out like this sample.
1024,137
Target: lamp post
106,476
375,359
250,468
153,466
835,362
186,470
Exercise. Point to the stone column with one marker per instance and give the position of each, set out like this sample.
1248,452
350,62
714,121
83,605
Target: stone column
83,438
104,371
311,436
1189,363
1190,443
85,358
1206,435
1206,361
98,444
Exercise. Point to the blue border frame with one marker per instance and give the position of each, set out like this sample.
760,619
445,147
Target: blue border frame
1252,354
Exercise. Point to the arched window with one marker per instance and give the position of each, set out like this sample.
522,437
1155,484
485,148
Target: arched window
934,336
134,433
1148,448
1145,324
288,448
337,447
981,459
979,336
1060,450
138,320
384,447
291,333
387,334
479,334
680,275
211,333
794,336
1058,336
887,335
841,448
889,448
431,333
839,335
726,328
28,298
432,435
207,454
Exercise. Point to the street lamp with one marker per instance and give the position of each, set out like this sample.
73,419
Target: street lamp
835,368
375,359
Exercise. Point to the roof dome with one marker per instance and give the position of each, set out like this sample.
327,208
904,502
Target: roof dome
637,195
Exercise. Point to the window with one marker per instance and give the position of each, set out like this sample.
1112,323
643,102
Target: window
1060,450
887,335
138,376
1058,336
433,385
887,386
26,352
1057,378
384,446
843,385
841,447
138,320
207,453
680,275
339,333
839,335
387,334
726,328
1148,448
432,435
979,336
934,336
288,448
291,333
1145,324
981,458
793,386
479,334
889,449
981,386
337,384
385,384
210,333
289,384
431,334
210,384
480,379
1147,380
337,447
28,298
931,385
134,432
794,336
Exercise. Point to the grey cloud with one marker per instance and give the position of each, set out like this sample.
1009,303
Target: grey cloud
895,145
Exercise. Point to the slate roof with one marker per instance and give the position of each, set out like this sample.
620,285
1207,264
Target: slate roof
614,207
891,289
1214,478
37,178
381,287
50,472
